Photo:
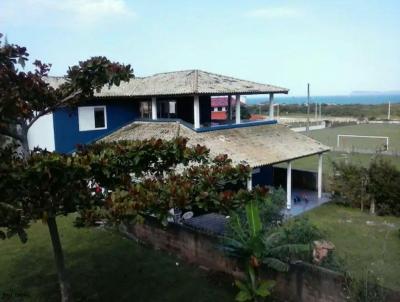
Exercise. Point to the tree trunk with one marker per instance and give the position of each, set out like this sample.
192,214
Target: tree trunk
24,142
19,133
372,207
59,258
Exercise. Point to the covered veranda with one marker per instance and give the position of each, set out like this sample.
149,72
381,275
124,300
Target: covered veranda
260,146
186,96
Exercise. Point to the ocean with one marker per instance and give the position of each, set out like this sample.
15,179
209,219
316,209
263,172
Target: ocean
338,99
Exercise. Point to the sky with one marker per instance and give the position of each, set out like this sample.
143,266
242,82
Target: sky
336,46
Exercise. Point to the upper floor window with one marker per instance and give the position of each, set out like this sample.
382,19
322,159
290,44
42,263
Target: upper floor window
92,118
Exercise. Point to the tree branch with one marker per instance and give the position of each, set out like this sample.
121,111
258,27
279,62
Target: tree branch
50,109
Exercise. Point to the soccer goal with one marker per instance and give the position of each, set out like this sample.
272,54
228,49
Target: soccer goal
366,142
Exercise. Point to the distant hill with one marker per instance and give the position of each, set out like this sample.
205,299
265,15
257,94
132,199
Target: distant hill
361,92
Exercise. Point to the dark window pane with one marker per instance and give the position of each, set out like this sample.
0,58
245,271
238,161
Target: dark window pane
99,120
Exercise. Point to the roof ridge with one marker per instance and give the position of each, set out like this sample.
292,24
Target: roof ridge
230,77
167,72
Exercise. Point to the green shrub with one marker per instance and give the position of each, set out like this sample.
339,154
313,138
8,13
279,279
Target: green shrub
270,208
376,187
349,184
365,289
301,230
384,187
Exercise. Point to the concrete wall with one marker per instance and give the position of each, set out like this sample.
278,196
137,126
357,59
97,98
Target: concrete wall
66,125
302,283
41,133
193,247
314,127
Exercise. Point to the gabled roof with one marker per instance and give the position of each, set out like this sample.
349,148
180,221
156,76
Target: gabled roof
187,82
255,145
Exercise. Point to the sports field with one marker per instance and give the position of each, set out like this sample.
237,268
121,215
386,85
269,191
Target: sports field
328,136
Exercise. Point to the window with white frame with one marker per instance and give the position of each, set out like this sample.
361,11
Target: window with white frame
92,118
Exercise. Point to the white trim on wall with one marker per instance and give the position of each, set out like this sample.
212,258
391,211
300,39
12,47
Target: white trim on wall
41,133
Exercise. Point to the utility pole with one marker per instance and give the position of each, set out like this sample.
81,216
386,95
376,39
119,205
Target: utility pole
308,108
316,110
389,112
320,111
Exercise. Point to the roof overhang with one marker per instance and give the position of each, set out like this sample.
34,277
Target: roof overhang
181,83
255,145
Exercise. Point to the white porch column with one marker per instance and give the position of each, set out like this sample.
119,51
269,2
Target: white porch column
271,106
319,184
153,108
250,182
289,186
196,108
237,109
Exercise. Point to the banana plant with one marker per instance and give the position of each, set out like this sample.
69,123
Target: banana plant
253,289
247,240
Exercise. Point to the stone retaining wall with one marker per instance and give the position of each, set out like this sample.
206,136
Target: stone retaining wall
304,282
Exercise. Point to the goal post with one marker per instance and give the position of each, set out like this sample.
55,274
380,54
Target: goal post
339,136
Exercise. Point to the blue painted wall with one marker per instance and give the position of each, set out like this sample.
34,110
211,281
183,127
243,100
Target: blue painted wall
66,127
265,177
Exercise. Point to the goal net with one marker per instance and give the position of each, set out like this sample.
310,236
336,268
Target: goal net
362,142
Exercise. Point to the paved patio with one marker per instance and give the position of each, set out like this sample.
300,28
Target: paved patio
214,223
303,205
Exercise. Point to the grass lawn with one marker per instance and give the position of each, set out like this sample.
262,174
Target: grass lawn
103,266
363,241
311,163
328,136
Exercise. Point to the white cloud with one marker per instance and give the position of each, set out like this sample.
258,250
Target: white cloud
274,13
65,13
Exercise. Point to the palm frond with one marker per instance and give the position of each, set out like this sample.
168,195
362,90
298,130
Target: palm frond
253,218
290,249
276,264
236,227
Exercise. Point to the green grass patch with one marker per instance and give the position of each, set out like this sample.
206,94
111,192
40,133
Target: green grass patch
103,266
311,163
328,136
363,241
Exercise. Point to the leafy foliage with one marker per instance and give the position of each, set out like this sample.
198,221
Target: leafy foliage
365,289
274,247
46,185
118,182
300,230
269,206
377,185
115,182
253,289
349,183
384,187
151,177
26,96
